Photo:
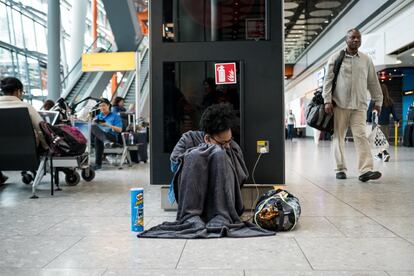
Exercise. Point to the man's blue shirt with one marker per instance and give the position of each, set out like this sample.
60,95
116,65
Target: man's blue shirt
111,119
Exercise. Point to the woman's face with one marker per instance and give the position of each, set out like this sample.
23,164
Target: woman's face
121,103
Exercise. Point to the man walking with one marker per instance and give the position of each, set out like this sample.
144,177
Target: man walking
348,103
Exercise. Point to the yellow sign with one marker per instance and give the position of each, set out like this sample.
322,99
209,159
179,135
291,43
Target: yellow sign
98,62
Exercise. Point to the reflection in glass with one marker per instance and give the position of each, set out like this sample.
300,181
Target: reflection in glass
214,20
189,88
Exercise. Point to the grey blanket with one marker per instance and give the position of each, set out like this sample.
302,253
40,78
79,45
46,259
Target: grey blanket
207,189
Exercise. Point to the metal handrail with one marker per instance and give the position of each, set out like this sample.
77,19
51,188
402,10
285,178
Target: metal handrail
80,59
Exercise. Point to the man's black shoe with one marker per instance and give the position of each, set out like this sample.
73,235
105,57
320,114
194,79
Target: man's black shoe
369,176
340,175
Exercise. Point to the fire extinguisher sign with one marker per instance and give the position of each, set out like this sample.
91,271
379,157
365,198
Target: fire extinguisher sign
225,73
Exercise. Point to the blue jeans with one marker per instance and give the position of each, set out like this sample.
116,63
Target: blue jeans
290,131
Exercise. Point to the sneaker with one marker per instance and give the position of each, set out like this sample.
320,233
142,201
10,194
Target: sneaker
340,175
378,156
371,175
96,167
386,157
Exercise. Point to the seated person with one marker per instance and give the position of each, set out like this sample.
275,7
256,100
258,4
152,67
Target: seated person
48,105
106,128
12,89
209,173
118,105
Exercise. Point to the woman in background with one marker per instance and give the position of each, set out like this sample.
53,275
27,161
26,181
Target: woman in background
384,119
118,105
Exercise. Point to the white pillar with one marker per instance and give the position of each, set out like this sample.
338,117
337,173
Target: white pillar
53,50
77,32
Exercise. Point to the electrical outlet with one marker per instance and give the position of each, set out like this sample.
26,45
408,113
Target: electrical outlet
263,146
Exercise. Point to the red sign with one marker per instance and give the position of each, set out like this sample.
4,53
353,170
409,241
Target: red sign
225,73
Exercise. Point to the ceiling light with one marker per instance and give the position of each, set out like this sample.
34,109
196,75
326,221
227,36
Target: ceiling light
395,70
326,21
412,54
398,61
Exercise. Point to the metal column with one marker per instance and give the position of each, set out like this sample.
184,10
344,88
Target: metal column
77,36
53,50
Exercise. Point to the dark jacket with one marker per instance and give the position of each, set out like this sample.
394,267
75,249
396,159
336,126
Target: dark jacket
384,116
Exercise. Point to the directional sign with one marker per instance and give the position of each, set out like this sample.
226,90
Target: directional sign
98,62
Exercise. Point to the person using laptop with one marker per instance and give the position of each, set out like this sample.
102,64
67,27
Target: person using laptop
12,89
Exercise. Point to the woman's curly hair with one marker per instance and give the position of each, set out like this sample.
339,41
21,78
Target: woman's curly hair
218,118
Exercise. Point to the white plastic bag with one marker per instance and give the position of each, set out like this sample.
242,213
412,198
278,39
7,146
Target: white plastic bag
377,138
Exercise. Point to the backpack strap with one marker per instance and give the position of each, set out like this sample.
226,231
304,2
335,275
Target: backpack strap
337,67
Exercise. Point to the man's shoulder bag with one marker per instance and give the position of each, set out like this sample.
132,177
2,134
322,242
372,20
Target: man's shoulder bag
316,116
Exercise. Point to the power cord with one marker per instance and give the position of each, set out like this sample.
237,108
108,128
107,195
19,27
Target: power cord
255,184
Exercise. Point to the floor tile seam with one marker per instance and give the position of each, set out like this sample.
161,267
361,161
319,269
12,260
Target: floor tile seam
50,227
61,253
105,271
386,272
303,253
181,254
387,228
328,192
336,227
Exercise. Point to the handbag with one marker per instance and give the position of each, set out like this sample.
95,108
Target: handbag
277,210
316,116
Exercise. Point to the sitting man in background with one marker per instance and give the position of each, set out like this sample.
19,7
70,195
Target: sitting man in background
209,173
12,89
106,128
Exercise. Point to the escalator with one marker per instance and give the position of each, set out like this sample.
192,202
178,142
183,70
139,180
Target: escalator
128,91
78,85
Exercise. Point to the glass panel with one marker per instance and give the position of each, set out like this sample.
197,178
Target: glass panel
214,20
23,71
34,77
4,30
189,88
17,32
41,38
29,36
6,63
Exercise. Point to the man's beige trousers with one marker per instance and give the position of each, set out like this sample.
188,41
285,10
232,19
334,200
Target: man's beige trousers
356,120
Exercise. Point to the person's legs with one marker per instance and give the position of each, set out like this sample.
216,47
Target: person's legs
384,154
290,131
341,123
99,137
365,162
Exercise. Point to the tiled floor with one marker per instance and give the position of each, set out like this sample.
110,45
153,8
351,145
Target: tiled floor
347,227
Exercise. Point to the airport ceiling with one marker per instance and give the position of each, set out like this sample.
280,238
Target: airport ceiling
304,20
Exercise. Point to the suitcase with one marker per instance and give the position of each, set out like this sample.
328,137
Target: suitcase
142,153
408,136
